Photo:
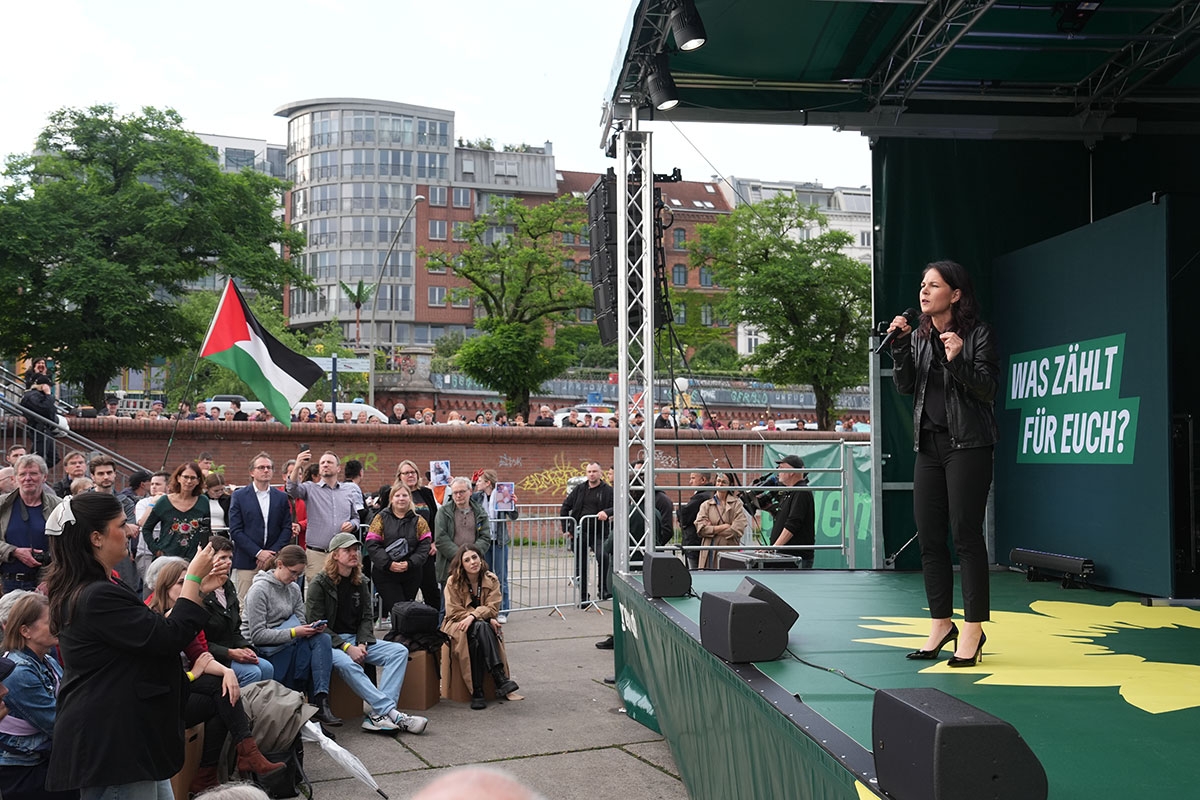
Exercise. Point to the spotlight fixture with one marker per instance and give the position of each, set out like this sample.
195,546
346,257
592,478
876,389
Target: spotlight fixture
686,26
660,85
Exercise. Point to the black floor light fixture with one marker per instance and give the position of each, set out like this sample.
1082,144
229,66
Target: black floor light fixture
1074,570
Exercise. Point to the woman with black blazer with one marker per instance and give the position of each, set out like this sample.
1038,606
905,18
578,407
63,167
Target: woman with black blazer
119,728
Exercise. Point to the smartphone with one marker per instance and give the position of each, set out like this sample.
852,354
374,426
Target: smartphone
321,623
304,448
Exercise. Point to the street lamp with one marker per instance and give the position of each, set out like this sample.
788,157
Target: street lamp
375,299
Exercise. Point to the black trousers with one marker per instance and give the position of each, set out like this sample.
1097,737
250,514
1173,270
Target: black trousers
484,648
206,704
590,537
950,490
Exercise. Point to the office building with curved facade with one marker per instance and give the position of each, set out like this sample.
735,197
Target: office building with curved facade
357,167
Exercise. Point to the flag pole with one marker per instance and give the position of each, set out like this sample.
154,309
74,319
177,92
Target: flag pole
187,388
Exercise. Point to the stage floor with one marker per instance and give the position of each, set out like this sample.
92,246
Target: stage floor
1105,690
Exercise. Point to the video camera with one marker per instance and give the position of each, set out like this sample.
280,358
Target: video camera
762,500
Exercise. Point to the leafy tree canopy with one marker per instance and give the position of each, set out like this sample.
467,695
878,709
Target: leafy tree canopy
812,301
513,265
106,225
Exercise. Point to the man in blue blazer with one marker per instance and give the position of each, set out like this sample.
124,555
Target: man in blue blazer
260,523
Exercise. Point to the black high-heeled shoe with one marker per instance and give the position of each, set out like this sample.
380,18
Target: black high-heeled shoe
930,655
955,661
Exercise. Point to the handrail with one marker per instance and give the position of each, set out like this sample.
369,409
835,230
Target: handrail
66,438
12,382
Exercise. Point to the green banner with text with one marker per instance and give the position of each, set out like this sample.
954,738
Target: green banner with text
1069,400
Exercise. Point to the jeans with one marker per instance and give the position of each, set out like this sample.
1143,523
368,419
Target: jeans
142,790
253,673
305,664
497,558
392,656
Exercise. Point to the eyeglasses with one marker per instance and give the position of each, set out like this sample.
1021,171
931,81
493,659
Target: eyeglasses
188,478
296,571
408,472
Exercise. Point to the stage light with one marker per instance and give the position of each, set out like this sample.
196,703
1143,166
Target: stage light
1070,567
686,26
660,85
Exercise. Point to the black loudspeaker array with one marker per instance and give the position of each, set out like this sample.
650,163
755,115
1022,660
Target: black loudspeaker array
603,202
931,746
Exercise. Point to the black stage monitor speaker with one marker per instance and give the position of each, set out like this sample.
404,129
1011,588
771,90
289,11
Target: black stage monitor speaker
759,591
931,746
665,576
740,628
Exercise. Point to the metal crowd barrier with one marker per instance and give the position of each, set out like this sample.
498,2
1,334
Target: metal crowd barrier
542,560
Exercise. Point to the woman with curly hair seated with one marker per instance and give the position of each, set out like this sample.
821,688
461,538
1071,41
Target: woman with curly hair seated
472,599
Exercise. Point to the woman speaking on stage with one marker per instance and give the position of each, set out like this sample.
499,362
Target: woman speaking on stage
949,364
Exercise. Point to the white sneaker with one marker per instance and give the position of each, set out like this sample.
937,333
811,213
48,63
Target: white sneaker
503,618
379,723
411,723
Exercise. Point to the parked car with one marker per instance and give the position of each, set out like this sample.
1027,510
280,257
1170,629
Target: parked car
606,411
787,425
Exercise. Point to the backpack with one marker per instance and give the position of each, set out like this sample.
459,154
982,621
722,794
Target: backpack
410,617
291,781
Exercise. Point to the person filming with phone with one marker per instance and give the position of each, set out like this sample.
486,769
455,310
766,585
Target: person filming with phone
329,503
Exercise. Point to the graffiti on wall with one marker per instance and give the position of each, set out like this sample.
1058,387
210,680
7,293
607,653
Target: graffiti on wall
553,480
505,461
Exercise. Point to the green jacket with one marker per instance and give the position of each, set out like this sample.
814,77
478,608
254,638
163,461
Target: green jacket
443,536
322,603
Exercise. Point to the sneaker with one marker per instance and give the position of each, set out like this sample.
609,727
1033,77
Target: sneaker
503,618
379,724
411,723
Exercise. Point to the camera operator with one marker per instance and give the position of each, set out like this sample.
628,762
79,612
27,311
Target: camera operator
795,521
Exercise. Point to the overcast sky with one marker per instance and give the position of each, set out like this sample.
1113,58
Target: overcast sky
512,70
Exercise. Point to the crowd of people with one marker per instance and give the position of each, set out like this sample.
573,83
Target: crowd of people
131,614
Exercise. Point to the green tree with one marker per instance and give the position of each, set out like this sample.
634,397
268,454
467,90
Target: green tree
445,350
581,344
812,301
513,265
104,227
359,295
715,357
210,379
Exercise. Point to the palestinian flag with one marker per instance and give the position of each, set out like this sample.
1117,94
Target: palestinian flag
277,376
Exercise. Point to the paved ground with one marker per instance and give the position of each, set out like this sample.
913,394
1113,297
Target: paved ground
569,738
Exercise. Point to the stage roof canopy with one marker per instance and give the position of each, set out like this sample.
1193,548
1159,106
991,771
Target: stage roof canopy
947,68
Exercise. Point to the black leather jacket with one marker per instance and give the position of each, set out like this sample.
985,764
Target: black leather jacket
971,383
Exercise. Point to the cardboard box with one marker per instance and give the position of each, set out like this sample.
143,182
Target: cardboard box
343,702
193,746
421,689
453,687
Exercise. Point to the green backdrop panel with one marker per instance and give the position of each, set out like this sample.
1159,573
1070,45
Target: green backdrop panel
1082,467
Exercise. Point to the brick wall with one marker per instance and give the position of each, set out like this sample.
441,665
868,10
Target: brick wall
538,460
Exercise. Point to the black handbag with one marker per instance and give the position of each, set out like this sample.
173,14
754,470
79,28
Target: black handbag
410,617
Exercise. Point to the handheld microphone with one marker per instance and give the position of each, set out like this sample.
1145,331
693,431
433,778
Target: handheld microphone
911,315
